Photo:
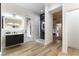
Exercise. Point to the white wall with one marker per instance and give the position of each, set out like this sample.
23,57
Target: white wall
69,24
64,39
73,28
48,26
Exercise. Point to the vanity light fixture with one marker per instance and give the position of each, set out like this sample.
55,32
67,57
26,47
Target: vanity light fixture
14,16
10,23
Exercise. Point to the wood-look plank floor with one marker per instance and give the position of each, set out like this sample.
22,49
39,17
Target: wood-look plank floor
37,49
33,49
73,52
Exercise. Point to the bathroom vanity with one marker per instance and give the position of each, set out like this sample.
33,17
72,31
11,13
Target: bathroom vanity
14,39
13,31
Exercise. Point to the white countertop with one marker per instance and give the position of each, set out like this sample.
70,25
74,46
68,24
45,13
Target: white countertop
14,34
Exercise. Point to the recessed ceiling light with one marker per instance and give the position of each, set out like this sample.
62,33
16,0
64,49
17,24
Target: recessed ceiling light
42,11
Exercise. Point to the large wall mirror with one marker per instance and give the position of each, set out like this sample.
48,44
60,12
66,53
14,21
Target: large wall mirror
12,23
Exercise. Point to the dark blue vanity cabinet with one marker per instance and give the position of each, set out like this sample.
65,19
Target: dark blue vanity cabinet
14,39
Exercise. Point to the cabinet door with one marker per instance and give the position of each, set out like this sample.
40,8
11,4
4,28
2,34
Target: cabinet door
19,38
10,40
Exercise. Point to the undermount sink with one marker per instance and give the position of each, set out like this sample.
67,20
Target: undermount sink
12,33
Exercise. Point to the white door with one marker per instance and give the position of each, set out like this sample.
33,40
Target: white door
72,26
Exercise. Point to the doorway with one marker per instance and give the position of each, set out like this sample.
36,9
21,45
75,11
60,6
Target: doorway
57,18
57,26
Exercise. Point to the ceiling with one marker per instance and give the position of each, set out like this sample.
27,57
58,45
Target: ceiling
34,7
